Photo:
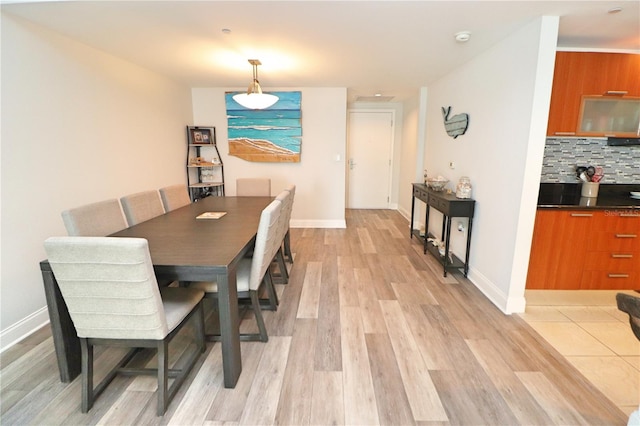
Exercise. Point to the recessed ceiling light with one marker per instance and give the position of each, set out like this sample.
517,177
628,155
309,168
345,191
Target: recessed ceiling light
226,31
616,9
377,94
463,36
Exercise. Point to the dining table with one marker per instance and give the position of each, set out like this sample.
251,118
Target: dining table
186,249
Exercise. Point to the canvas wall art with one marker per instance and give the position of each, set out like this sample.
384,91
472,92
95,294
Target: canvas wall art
268,135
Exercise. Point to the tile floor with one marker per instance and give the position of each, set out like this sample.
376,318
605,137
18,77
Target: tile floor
588,329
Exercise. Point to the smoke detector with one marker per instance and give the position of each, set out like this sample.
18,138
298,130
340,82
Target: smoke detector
462,36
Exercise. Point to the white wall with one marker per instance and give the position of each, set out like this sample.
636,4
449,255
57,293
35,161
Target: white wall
319,176
78,126
506,92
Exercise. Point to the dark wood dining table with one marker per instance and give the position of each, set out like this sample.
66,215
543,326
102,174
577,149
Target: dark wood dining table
182,248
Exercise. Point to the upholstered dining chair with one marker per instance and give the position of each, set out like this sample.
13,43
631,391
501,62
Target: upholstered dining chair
253,187
253,273
283,226
174,197
94,220
287,212
631,305
142,206
113,299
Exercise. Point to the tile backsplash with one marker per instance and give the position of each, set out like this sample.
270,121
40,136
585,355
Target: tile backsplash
621,164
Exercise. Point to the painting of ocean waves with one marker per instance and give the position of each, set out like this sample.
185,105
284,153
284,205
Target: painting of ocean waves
273,134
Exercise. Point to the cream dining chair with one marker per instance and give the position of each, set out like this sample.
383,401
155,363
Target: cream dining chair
252,273
253,187
174,197
110,289
142,206
94,220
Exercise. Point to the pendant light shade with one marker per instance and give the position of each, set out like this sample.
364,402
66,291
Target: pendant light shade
254,98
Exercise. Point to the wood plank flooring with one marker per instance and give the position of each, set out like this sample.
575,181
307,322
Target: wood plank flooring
367,332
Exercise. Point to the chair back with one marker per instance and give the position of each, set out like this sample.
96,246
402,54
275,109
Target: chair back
631,305
289,206
267,243
142,206
253,187
174,197
109,286
283,226
95,220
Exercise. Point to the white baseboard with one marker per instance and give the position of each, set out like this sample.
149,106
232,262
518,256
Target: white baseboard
318,223
508,305
18,331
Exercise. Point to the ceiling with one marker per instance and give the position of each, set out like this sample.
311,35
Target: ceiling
387,47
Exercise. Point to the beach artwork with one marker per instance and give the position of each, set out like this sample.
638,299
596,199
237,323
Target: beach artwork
272,135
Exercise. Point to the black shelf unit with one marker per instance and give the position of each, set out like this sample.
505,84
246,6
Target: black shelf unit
205,170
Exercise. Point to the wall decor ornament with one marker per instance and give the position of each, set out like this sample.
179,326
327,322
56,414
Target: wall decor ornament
456,125
271,135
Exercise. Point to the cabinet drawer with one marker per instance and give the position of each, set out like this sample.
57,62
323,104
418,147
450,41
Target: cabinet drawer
420,194
439,204
608,240
612,261
611,280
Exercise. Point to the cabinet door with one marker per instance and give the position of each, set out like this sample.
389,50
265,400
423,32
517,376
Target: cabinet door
585,73
558,249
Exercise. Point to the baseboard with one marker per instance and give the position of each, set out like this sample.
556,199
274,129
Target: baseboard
341,223
18,331
508,305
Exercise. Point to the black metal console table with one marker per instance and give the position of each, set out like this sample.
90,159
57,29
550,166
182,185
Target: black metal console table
450,207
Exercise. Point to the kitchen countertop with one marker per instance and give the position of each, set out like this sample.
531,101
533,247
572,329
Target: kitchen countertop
567,196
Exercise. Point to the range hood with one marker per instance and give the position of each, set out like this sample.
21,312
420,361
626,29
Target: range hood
623,141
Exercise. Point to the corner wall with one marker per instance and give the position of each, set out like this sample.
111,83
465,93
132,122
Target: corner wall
78,126
506,92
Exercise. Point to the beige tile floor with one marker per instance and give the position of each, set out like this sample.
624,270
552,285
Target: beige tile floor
588,329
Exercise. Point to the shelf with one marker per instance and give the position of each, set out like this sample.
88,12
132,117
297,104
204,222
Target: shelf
455,262
205,184
205,165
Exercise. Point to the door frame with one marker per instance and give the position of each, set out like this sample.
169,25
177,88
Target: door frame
391,149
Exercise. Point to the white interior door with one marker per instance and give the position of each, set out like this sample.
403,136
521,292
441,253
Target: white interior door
369,159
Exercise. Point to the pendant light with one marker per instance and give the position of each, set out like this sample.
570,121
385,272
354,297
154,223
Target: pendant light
254,98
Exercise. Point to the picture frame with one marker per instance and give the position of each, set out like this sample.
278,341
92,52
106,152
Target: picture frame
201,135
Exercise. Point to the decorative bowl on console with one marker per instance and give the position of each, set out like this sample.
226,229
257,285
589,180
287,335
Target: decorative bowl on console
437,184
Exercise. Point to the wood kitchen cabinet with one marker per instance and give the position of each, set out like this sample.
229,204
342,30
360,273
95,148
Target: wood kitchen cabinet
585,73
585,249
557,251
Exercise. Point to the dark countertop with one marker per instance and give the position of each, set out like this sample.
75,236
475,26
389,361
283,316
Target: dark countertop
567,196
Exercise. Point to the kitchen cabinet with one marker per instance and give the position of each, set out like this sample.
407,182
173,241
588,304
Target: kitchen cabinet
557,249
579,74
205,171
585,249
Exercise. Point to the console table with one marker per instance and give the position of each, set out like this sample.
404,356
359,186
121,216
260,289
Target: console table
450,207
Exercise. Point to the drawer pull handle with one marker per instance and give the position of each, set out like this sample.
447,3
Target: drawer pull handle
629,215
581,214
626,236
621,256
618,275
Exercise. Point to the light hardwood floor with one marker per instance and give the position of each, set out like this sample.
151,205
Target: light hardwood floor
368,332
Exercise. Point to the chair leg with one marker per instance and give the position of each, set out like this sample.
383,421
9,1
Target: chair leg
255,304
271,291
87,375
282,266
199,327
287,246
163,377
